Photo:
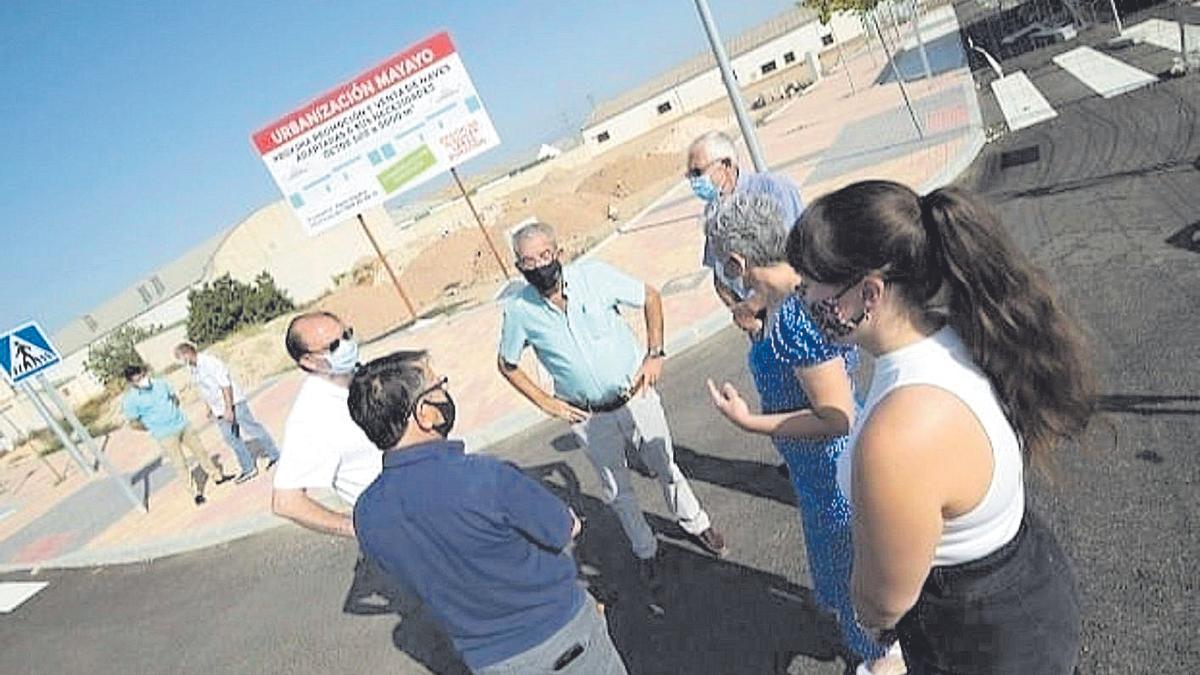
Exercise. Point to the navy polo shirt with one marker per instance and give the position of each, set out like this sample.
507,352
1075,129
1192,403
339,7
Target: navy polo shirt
480,542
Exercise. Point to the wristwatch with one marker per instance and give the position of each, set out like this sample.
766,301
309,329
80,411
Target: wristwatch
655,353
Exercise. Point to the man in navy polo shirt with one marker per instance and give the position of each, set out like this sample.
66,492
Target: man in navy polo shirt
482,544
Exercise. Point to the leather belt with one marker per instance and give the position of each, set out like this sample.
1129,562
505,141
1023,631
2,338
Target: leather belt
603,406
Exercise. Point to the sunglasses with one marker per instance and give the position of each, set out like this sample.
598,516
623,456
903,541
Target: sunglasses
337,341
697,172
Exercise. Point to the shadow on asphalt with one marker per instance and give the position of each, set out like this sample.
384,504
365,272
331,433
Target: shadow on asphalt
747,476
719,616
945,53
372,593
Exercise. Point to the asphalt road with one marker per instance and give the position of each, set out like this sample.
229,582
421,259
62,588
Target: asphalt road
1111,206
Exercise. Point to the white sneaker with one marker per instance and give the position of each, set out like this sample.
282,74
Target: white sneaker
892,663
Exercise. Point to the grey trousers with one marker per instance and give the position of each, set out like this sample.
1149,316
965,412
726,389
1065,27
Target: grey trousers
643,424
582,647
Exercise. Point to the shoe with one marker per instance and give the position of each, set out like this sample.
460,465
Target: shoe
223,478
245,476
199,499
712,541
892,663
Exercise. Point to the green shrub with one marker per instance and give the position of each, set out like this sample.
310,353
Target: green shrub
225,304
109,357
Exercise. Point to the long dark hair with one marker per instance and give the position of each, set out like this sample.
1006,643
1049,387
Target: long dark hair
949,259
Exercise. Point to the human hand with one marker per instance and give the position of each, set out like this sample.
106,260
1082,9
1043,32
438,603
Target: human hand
564,411
729,402
746,318
648,375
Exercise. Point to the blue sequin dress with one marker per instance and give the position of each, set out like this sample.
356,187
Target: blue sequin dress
793,341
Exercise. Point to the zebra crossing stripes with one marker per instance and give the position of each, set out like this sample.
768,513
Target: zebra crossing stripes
14,593
1102,73
1021,102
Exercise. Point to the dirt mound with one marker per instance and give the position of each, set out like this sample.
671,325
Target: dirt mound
681,134
620,179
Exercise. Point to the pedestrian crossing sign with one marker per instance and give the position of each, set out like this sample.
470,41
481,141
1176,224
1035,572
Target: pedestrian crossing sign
25,352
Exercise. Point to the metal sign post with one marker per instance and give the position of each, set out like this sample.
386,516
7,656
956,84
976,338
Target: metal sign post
90,442
735,96
387,266
899,77
479,222
52,424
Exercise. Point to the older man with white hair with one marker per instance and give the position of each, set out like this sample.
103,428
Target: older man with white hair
713,172
604,386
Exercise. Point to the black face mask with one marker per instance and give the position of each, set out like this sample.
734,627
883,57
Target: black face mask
447,409
544,278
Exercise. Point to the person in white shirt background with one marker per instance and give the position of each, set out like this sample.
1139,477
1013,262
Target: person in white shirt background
228,407
322,446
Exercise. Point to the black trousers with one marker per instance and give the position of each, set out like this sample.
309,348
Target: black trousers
1015,610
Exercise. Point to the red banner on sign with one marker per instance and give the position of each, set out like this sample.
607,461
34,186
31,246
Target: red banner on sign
362,88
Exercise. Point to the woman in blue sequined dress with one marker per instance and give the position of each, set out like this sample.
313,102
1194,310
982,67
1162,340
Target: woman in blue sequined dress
808,404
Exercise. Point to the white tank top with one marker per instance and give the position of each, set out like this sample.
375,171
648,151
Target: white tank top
942,360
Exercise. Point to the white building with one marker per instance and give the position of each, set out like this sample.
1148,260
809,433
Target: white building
781,43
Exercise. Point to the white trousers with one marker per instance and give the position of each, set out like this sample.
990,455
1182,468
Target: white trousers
643,423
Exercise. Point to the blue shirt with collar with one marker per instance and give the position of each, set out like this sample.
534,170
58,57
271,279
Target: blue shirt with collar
589,350
155,408
775,185
480,543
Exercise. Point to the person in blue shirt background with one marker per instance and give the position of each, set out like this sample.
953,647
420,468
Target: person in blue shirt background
151,405
483,545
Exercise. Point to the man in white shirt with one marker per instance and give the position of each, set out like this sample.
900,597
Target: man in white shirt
322,446
227,405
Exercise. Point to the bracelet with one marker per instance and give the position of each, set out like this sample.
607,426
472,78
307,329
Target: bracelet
655,353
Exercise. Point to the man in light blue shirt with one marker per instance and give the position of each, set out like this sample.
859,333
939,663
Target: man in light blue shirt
151,405
604,385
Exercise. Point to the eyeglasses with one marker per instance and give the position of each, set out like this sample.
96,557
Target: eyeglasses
801,290
543,258
347,334
733,268
439,384
697,172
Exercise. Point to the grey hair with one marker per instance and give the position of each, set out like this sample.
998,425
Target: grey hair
717,145
750,225
528,231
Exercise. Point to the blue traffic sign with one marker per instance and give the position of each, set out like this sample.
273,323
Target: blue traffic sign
25,352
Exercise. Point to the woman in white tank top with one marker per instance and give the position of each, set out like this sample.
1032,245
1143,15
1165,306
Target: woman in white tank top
977,371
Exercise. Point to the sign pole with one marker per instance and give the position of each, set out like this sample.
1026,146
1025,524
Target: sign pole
479,222
52,423
731,87
90,442
899,77
387,266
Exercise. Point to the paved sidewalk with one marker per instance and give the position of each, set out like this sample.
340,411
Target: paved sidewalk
823,140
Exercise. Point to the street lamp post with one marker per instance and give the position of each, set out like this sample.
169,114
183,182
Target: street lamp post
735,96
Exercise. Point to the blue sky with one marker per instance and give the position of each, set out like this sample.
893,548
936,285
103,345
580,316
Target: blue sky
126,125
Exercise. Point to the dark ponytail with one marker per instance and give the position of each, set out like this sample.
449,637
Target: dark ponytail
951,261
